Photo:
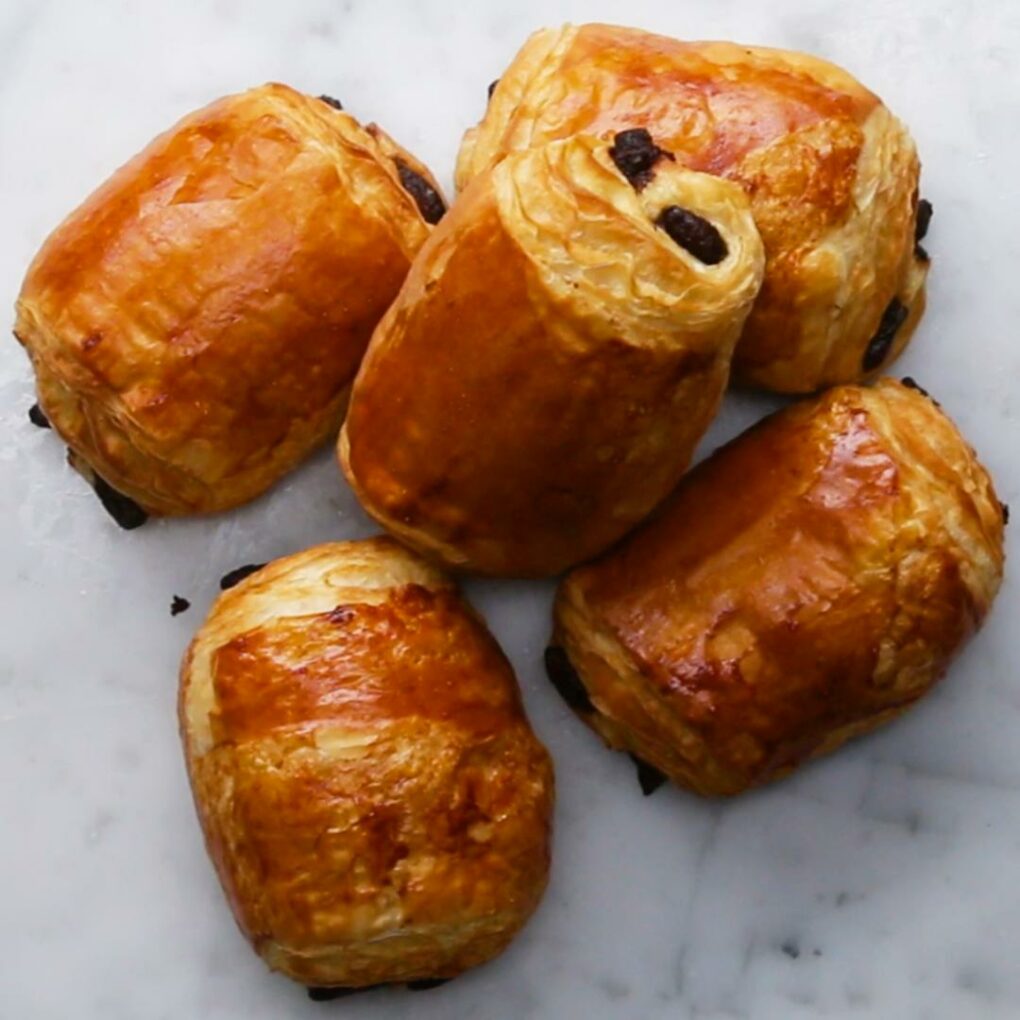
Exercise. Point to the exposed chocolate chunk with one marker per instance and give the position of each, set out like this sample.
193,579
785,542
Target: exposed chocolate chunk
430,205
330,101
424,984
648,776
38,418
912,384
1005,512
341,614
564,678
329,994
878,349
492,87
237,575
634,154
693,233
124,510
924,211
179,605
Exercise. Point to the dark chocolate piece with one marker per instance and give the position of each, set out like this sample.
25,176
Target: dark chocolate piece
340,614
693,233
424,984
648,776
1005,512
38,418
124,510
330,101
430,205
492,87
179,605
237,575
634,154
564,678
329,994
924,211
878,349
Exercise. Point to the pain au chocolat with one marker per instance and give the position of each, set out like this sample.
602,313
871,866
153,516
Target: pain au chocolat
558,349
808,582
831,174
372,796
195,324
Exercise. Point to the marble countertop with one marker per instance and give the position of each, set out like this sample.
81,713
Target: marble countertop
882,882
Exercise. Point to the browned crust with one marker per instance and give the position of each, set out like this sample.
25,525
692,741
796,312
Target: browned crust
550,363
809,581
371,793
195,324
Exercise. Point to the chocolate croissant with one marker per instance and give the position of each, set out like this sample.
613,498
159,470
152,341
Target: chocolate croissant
808,582
372,796
831,174
560,345
195,325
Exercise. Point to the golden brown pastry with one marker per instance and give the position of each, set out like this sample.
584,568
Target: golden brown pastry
195,325
559,347
372,796
808,582
832,176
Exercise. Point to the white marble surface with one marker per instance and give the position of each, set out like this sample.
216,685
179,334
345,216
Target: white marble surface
883,882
